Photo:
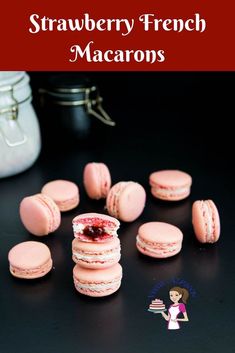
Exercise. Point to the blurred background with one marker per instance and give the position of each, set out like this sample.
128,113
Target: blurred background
191,112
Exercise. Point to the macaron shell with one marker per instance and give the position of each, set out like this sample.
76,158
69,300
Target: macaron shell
97,180
95,247
98,276
131,202
97,283
39,214
200,220
96,255
170,178
160,232
126,201
63,192
30,260
89,217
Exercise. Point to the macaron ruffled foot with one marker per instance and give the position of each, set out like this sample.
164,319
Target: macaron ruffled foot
126,200
206,221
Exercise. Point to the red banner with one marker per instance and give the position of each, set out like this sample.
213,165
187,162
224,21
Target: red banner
123,35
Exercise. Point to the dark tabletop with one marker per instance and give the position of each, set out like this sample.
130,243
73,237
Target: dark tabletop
164,120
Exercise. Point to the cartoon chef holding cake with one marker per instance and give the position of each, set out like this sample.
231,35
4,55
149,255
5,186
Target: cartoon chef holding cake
179,297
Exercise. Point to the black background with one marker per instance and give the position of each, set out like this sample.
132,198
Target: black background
164,120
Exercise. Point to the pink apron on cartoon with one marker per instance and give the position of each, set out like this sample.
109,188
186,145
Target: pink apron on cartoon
173,313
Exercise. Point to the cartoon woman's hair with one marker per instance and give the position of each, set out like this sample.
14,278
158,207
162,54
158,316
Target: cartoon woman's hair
183,291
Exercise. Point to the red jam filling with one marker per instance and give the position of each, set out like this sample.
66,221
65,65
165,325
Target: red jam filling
93,231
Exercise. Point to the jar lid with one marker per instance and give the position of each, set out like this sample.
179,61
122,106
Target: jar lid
68,82
17,84
10,78
14,90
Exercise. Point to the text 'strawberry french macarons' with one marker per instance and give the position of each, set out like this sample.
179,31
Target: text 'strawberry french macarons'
97,180
97,283
126,200
39,214
170,185
96,255
206,221
30,260
95,227
63,192
158,239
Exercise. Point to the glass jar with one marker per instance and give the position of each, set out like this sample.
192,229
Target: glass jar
20,140
71,108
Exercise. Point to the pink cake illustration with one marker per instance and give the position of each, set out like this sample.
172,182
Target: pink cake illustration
157,306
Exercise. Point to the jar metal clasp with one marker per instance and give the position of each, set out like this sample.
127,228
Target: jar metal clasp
99,113
11,115
91,100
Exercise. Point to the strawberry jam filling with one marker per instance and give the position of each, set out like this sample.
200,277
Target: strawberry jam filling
93,231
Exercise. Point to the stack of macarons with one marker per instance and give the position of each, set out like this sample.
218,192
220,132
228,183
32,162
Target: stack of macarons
96,252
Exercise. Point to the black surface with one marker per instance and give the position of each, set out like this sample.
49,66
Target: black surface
164,120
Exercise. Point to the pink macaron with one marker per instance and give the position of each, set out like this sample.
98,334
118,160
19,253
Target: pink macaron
96,255
170,185
63,192
39,214
126,200
158,239
97,283
30,260
95,227
97,180
206,221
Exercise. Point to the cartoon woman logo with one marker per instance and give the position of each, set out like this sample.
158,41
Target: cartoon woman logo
176,295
